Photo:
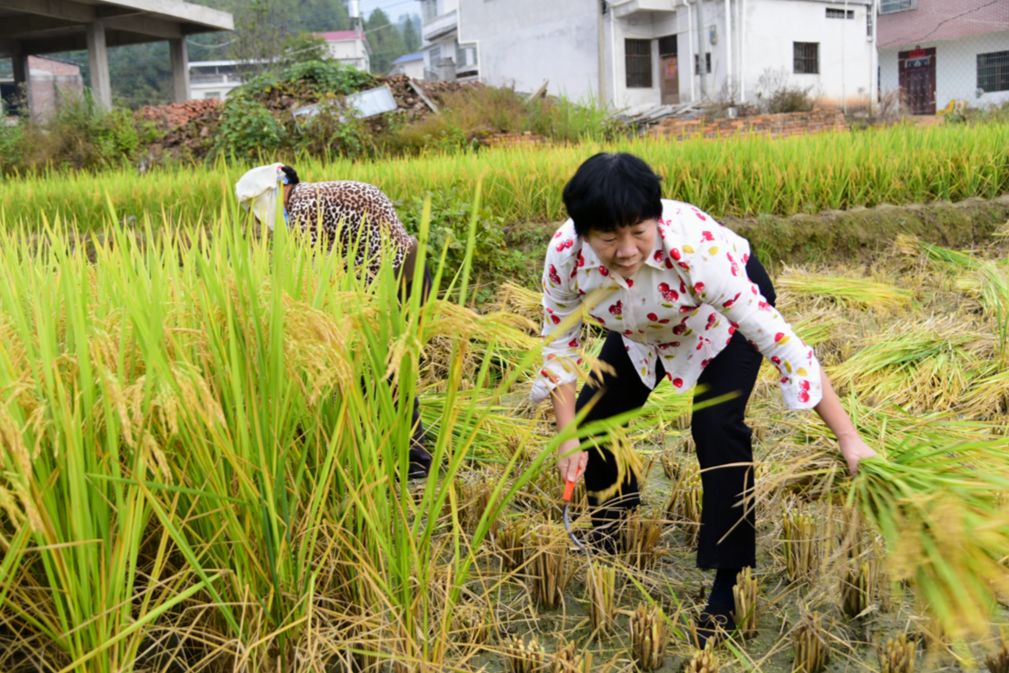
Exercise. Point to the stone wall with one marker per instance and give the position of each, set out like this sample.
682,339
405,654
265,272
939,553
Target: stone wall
774,125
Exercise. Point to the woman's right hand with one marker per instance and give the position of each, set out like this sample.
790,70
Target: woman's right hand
571,462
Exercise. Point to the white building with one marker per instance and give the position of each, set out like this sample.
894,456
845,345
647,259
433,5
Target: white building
445,58
349,47
214,79
637,53
411,65
936,51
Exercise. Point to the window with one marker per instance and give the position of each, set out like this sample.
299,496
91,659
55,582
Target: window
667,46
806,58
868,25
707,63
840,13
993,71
638,63
892,6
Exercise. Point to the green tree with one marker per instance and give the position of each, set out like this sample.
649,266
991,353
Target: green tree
411,33
385,39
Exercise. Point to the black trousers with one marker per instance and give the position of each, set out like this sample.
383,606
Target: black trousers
420,457
727,536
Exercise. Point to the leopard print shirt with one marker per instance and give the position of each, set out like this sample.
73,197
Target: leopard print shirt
338,211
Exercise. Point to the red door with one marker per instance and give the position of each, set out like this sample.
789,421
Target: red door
917,80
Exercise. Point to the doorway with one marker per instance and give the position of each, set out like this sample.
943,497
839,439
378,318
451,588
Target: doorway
669,70
917,80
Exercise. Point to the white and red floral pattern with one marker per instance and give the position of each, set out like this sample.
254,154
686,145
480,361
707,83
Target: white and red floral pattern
683,306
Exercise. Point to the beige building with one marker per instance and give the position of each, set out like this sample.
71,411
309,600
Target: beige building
50,82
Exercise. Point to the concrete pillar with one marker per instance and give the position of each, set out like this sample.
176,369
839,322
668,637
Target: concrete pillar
98,62
22,78
180,69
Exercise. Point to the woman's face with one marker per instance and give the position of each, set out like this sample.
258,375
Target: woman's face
626,249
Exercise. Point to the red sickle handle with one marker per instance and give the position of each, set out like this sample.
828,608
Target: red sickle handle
569,489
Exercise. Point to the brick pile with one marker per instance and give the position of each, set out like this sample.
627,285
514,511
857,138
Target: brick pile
773,125
174,115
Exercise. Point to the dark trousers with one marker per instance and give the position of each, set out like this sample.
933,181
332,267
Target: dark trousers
727,537
420,457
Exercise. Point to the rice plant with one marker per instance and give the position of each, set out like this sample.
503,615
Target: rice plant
648,637
549,572
745,594
897,655
601,590
809,644
800,538
523,656
703,661
569,658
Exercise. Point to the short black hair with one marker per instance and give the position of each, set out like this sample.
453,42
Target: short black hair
609,191
291,175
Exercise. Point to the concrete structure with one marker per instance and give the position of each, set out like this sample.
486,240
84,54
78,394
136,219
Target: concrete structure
411,65
33,27
215,79
50,82
349,47
445,57
640,53
932,52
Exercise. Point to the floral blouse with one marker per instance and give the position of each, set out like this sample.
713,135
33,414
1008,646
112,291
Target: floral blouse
683,305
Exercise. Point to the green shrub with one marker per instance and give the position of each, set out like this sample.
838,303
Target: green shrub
307,81
331,131
247,130
79,136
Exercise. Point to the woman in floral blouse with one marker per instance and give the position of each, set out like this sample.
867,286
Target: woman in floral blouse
684,299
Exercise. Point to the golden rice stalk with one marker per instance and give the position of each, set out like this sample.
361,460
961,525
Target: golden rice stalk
998,662
943,530
648,637
897,655
601,590
524,657
473,623
521,300
684,506
856,587
801,549
845,289
474,497
809,645
548,568
745,593
641,540
569,658
704,661
670,467
511,543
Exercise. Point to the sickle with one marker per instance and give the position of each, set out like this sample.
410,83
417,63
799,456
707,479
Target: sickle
569,489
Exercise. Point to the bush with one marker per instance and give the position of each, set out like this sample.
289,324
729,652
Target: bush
80,136
332,131
306,81
247,130
468,116
789,99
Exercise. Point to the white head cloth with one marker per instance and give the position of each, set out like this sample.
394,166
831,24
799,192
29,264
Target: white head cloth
258,189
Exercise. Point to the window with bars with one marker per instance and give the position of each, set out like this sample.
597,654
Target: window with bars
833,13
638,63
806,58
892,6
707,63
993,71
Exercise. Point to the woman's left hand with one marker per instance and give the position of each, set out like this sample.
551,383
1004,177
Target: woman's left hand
854,451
